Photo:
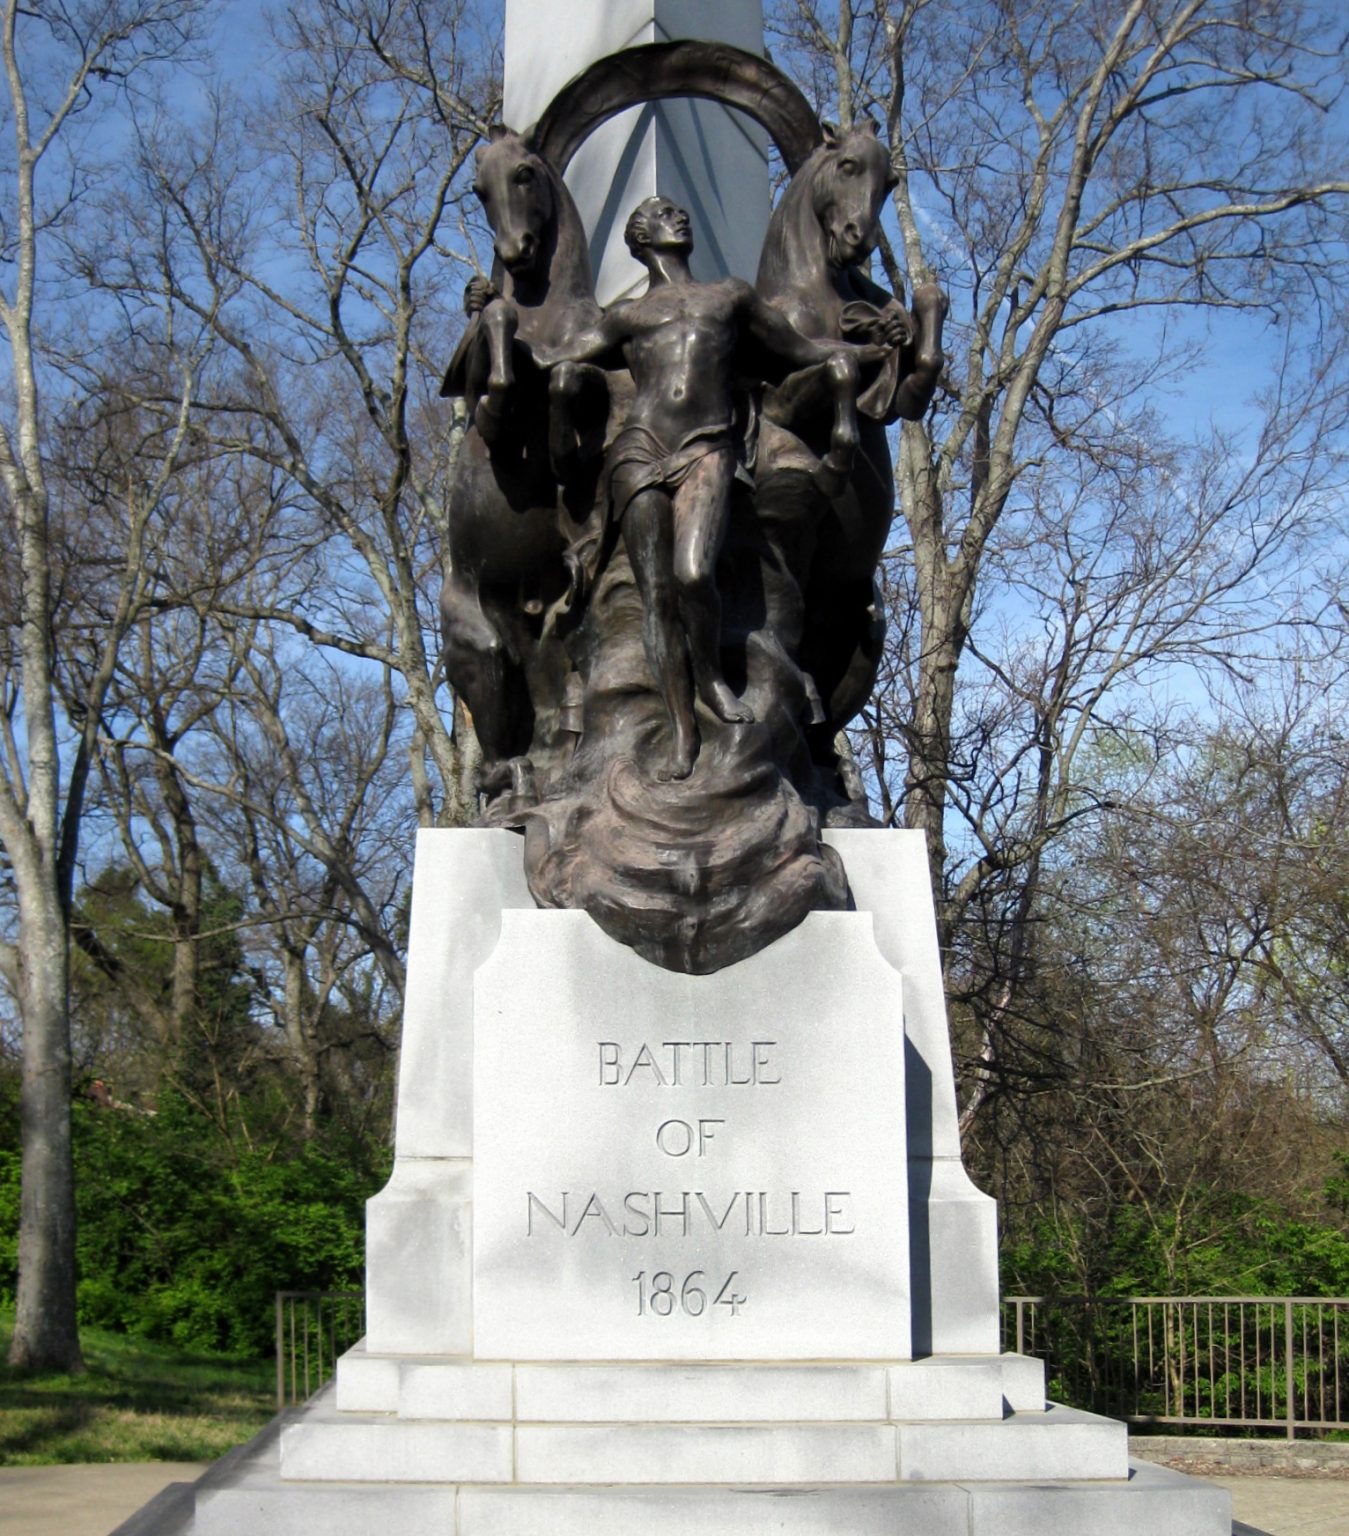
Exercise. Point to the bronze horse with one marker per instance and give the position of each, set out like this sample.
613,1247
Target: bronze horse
825,226
523,493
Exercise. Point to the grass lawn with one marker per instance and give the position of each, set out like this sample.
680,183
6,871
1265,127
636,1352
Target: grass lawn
136,1402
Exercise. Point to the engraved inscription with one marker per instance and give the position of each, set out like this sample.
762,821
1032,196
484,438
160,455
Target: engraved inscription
691,1213
688,1213
659,1298
648,1187
689,1064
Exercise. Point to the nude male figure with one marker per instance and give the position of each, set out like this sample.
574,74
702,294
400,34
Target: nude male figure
670,470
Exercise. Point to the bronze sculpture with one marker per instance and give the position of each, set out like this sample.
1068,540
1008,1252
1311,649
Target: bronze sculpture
659,642
670,469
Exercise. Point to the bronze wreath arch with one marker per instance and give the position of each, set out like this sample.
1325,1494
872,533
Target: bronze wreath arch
660,71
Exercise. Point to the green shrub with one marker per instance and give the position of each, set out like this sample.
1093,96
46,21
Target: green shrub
182,1238
1221,1244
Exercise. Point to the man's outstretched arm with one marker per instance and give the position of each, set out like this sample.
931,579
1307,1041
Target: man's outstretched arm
598,343
773,331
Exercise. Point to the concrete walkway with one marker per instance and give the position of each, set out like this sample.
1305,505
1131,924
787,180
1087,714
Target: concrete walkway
1290,1506
93,1500
83,1500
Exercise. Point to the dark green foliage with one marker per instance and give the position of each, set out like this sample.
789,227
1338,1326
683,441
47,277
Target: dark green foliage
1231,1245
182,1240
185,1239
201,1188
124,1021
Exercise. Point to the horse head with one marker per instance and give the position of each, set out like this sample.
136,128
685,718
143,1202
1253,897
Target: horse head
516,190
849,176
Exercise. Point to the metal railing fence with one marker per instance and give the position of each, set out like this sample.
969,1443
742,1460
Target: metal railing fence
1250,1362
312,1329
1242,1362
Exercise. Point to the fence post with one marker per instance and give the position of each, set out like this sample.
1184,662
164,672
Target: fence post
1288,1363
1020,1328
280,1367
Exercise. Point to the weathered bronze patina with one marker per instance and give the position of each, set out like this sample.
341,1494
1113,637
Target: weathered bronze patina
666,522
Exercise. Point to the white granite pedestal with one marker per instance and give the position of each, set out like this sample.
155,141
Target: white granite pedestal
691,1255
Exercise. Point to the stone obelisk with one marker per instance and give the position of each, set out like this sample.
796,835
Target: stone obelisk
710,160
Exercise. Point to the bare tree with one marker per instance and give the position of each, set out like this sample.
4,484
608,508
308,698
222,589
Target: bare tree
59,60
1117,594
1063,169
314,809
1172,1062
238,761
314,247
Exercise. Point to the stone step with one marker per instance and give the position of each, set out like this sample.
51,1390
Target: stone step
1061,1444
1145,1505
361,1449
1057,1444
1154,1501
645,1454
940,1387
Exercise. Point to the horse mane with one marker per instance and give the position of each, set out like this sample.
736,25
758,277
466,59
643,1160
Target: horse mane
575,281
779,264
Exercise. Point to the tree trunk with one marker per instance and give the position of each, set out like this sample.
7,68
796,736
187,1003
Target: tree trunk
45,1331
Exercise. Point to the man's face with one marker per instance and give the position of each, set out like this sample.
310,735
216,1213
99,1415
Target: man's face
668,228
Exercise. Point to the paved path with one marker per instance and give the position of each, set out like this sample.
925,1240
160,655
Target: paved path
82,1500
92,1500
1290,1506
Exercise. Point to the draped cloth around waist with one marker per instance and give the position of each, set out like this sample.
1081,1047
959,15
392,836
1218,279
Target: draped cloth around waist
638,460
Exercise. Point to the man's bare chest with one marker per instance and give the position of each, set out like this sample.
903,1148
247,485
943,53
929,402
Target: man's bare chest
704,309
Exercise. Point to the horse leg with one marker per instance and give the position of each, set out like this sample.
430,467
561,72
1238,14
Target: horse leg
798,405
796,402
915,393
845,657
841,376
578,409
500,321
482,670
565,384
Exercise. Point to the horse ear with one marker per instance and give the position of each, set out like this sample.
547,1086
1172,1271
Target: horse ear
871,126
830,134
496,132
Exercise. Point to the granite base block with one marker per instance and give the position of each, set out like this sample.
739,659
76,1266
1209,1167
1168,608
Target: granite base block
248,1494
1056,1444
1060,1444
940,1387
326,1446
418,1254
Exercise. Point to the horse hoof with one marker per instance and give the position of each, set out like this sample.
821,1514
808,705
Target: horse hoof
831,474
928,296
494,776
489,423
725,706
524,790
563,463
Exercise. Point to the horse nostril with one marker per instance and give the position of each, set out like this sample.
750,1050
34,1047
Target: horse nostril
852,232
